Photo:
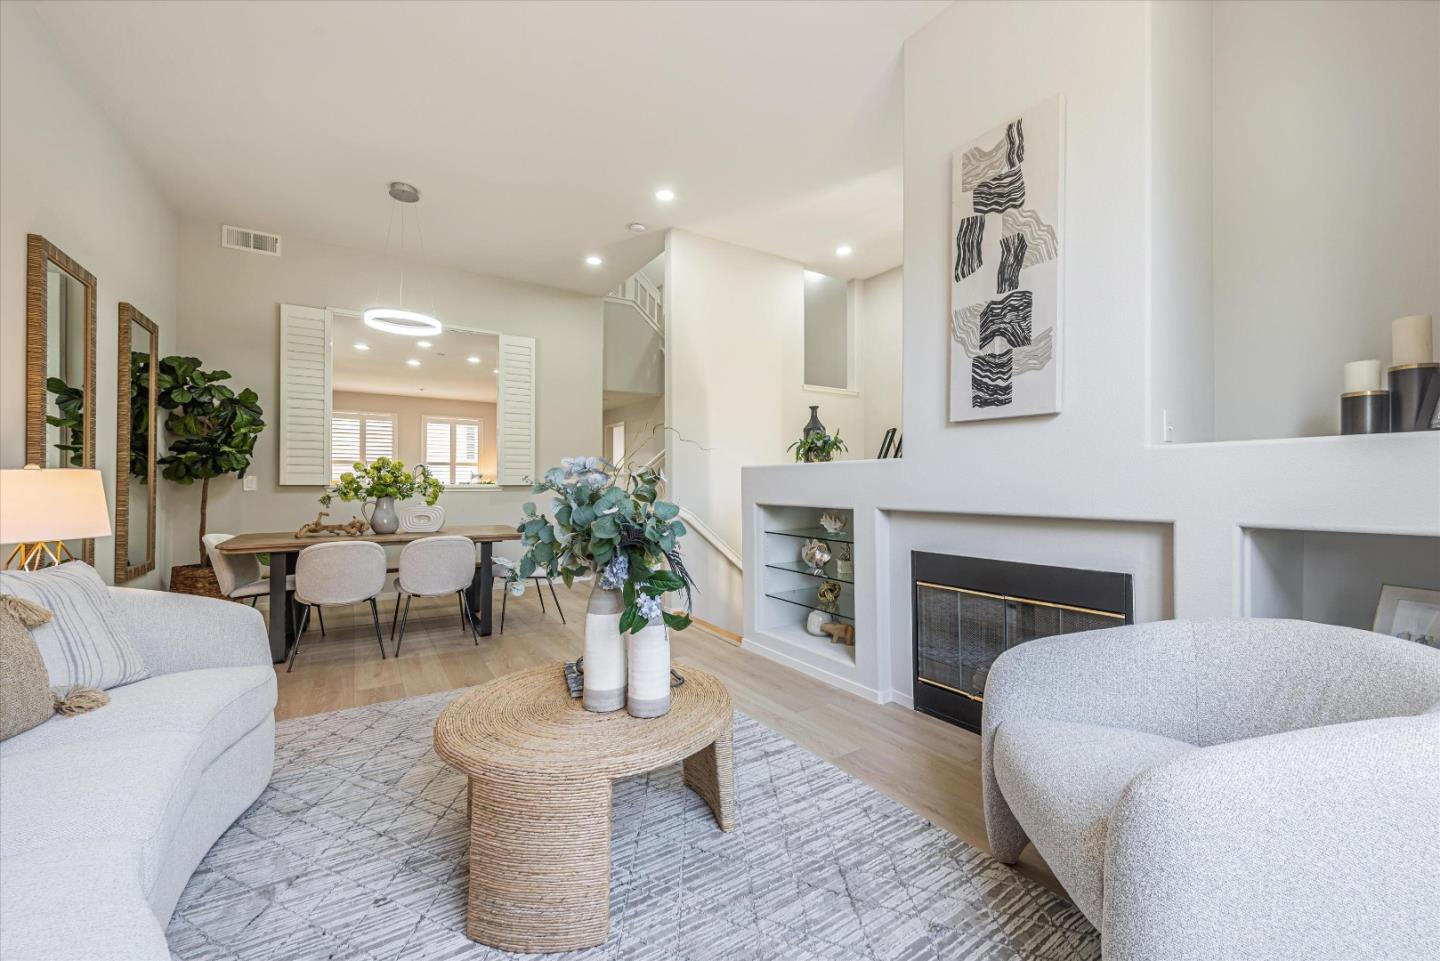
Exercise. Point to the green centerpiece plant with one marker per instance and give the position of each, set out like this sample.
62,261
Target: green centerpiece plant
817,446
384,481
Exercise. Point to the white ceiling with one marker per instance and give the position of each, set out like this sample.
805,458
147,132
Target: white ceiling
444,372
536,131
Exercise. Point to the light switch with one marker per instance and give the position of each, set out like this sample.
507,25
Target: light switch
249,483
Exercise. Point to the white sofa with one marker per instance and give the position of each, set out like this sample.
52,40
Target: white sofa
104,816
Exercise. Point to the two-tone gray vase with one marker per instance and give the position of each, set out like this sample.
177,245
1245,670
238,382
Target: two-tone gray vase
605,674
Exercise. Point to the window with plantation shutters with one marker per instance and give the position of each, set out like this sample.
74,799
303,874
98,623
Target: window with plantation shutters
452,449
359,437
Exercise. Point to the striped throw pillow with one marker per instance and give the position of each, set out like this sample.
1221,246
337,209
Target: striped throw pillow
83,643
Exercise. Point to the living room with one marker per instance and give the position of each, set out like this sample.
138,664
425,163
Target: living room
1112,630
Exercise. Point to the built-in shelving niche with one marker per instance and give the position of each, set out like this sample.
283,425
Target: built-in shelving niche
1333,577
790,586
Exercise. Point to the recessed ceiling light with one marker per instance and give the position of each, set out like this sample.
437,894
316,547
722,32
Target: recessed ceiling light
638,228
843,250
422,343
472,360
362,346
664,195
594,261
413,362
495,371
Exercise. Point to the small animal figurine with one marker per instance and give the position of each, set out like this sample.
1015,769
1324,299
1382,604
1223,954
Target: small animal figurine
840,633
318,528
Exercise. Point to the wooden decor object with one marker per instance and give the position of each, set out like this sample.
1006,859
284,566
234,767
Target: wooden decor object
840,633
39,251
540,769
318,528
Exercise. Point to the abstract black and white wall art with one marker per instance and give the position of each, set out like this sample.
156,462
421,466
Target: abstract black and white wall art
1008,194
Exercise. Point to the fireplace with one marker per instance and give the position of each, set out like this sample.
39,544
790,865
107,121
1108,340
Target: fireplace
970,610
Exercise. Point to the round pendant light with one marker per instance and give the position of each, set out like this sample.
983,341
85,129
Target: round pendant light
406,322
397,320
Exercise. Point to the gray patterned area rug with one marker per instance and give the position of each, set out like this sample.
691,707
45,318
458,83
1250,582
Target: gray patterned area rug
356,851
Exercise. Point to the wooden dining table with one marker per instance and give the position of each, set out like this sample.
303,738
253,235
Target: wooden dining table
285,547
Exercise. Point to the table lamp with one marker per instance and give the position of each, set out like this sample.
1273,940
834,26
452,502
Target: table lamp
41,509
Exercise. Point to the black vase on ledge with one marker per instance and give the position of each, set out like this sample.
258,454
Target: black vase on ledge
814,426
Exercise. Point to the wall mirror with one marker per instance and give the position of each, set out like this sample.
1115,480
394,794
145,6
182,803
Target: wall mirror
59,364
135,488
427,400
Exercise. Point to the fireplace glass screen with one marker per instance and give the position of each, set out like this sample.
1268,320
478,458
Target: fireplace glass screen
962,632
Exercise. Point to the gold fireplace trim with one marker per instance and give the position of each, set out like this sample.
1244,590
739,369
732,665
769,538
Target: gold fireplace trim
1019,600
953,690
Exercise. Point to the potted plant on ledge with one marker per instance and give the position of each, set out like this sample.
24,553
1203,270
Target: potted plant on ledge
817,446
380,485
611,523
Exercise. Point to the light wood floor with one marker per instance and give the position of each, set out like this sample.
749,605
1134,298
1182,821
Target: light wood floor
925,764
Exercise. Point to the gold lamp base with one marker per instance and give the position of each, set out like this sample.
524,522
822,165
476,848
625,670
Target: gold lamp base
38,554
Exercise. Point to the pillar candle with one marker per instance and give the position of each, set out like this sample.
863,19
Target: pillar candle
1362,375
1410,340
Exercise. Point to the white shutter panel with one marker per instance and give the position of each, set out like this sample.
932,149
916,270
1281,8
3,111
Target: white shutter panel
515,412
344,442
304,395
437,450
379,438
467,451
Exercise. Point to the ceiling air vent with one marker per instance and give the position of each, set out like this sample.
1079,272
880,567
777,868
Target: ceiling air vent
241,238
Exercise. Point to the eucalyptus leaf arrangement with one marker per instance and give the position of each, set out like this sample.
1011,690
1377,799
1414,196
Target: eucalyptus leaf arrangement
817,446
385,478
610,522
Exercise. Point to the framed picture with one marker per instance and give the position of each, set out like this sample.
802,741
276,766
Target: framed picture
1411,613
1007,199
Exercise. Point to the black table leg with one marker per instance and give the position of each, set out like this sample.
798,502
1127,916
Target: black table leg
282,618
482,587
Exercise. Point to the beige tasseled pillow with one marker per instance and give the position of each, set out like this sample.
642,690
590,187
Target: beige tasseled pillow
25,696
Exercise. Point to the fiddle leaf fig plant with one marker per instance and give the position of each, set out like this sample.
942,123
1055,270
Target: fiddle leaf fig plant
212,428
609,522
70,401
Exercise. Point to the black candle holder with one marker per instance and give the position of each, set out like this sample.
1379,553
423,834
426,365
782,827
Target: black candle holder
1414,392
1365,412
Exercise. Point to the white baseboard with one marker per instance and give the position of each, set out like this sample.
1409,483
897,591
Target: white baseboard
805,667
901,698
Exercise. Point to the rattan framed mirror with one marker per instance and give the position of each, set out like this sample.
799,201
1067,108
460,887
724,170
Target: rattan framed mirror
59,363
135,425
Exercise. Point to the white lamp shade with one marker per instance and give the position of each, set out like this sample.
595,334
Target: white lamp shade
52,505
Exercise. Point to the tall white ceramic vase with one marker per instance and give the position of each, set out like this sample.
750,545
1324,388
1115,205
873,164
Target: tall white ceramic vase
648,692
604,652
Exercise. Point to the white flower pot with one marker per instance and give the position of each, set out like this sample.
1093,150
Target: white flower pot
604,652
648,692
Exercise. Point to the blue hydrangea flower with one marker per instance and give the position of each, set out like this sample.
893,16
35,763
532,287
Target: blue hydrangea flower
517,588
649,606
612,578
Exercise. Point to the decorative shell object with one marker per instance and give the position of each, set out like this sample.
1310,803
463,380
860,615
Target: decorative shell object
815,623
832,522
420,519
815,553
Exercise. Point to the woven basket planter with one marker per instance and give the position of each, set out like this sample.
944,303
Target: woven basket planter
194,579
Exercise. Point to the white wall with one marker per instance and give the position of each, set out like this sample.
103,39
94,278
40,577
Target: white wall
1326,200
734,384
879,310
229,302
641,419
66,174
633,359
410,413
1091,462
1183,336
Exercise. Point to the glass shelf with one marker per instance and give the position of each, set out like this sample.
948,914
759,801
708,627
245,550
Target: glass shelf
800,567
843,609
819,533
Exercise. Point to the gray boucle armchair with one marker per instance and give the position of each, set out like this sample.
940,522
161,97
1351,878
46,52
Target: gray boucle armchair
1226,790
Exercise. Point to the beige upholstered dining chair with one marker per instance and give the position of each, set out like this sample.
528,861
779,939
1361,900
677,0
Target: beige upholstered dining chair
434,567
238,574
338,573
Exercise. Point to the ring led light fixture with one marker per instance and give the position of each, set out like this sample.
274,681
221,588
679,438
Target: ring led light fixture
397,319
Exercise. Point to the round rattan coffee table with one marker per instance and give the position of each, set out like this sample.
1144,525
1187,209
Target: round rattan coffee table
540,770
